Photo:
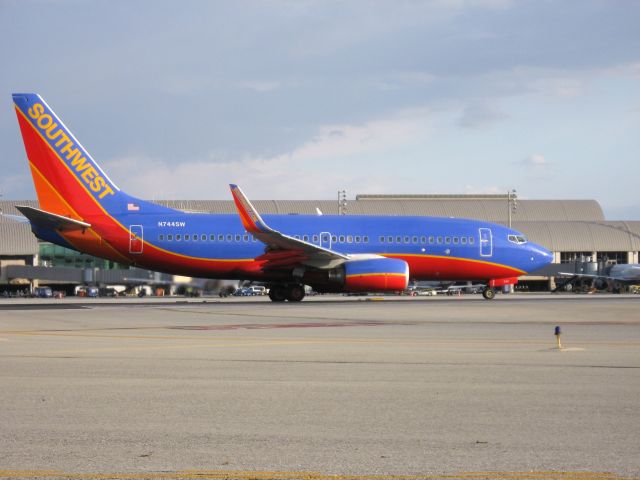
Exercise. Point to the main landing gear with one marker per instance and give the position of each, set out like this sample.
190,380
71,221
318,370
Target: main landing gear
489,293
293,292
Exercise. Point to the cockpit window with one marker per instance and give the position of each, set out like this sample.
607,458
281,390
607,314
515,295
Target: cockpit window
519,239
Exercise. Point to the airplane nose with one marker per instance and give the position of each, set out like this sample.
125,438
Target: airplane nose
540,256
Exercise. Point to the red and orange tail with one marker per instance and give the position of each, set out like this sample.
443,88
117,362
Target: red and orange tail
68,181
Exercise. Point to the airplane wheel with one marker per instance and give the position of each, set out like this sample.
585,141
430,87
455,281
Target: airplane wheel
277,293
489,293
295,293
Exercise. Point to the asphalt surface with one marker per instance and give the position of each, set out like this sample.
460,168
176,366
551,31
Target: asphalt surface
329,388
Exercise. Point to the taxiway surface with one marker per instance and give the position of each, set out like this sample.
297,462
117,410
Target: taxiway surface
423,387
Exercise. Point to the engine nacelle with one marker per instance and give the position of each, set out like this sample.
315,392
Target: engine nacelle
376,275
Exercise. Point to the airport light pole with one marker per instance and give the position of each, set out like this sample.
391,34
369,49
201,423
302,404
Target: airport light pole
342,202
512,203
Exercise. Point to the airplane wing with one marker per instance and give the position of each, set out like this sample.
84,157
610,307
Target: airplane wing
53,221
282,250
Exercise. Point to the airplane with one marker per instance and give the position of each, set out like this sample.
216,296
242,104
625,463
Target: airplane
612,277
81,208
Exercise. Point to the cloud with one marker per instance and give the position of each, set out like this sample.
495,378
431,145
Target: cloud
293,174
260,86
484,190
535,161
480,115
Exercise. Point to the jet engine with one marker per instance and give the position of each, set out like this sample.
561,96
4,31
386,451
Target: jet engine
371,275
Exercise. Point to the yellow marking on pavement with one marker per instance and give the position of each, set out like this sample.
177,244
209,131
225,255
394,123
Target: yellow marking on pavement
265,475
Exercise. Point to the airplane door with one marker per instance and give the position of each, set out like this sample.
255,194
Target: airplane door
486,242
325,240
136,242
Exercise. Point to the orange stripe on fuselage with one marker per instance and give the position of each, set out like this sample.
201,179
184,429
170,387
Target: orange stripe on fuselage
454,268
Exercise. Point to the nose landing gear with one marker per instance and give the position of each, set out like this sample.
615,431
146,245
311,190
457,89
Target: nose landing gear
489,293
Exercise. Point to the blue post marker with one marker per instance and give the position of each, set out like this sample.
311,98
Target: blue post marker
557,333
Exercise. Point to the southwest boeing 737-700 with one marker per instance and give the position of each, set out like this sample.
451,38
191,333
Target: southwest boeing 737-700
82,209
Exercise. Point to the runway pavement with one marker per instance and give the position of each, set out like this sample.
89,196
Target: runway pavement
329,388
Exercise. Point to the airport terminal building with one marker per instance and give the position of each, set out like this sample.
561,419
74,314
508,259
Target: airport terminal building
576,231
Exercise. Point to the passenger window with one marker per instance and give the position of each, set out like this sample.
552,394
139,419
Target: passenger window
238,237
203,238
423,239
334,239
389,239
186,236
471,240
341,238
220,237
297,237
447,240
439,240
170,238
212,237
414,239
161,237
431,239
305,238
358,239
178,237
406,239
315,239
382,239
455,240
245,238
229,237
398,239
365,239
349,238
463,240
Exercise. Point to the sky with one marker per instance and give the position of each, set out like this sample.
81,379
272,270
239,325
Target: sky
299,99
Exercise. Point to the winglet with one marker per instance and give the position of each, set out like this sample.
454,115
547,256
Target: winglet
250,217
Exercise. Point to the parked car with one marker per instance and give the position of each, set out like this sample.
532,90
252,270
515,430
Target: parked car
243,292
42,292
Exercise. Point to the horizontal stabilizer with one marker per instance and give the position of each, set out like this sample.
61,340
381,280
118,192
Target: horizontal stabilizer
53,221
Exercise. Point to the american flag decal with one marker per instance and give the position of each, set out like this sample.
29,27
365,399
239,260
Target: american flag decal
133,207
